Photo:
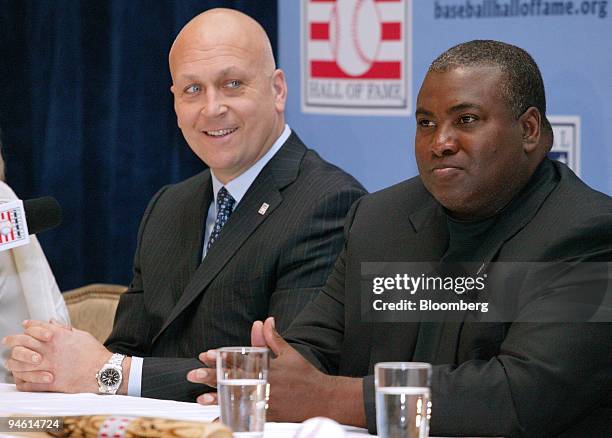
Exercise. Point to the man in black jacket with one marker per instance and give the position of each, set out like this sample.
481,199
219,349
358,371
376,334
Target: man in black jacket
486,194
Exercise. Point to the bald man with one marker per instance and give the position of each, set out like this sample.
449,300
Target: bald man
253,236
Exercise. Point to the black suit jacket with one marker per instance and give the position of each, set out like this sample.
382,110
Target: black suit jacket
501,379
262,265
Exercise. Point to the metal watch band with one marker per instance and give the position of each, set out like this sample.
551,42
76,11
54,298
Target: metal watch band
116,359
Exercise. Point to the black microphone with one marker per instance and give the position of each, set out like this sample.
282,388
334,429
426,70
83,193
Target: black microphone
42,214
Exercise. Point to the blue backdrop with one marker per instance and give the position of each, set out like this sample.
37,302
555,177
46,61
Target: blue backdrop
87,115
572,45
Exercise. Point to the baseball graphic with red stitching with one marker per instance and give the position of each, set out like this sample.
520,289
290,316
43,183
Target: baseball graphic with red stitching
355,35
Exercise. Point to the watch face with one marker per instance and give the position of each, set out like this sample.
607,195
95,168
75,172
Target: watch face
110,377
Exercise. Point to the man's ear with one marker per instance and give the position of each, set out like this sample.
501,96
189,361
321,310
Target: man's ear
530,122
280,89
173,91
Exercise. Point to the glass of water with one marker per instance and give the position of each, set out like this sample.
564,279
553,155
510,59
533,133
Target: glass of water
403,406
242,377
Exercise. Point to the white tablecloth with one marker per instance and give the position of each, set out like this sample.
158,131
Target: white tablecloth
53,404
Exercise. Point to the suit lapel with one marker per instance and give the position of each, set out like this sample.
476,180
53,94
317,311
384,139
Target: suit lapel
196,221
518,214
278,173
191,217
425,240
431,233
439,343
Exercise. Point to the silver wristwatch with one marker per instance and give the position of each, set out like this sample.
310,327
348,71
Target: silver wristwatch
110,375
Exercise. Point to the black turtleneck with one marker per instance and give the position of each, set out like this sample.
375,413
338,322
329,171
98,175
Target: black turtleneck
467,236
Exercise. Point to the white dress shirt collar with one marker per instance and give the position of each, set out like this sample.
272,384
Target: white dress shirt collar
239,185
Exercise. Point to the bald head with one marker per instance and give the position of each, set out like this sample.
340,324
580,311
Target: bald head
229,97
222,27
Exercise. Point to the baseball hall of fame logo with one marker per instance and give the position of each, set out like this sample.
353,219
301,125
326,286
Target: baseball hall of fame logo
356,57
566,147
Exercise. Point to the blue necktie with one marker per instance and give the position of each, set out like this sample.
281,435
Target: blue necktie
225,204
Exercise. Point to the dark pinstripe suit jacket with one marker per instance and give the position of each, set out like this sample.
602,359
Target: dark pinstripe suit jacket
270,264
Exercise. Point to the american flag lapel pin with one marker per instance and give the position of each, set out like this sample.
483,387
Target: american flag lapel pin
264,207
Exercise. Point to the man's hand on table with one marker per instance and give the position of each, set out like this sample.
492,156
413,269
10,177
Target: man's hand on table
52,357
298,390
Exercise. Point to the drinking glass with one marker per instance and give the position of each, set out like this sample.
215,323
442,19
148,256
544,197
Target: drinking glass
403,406
242,378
